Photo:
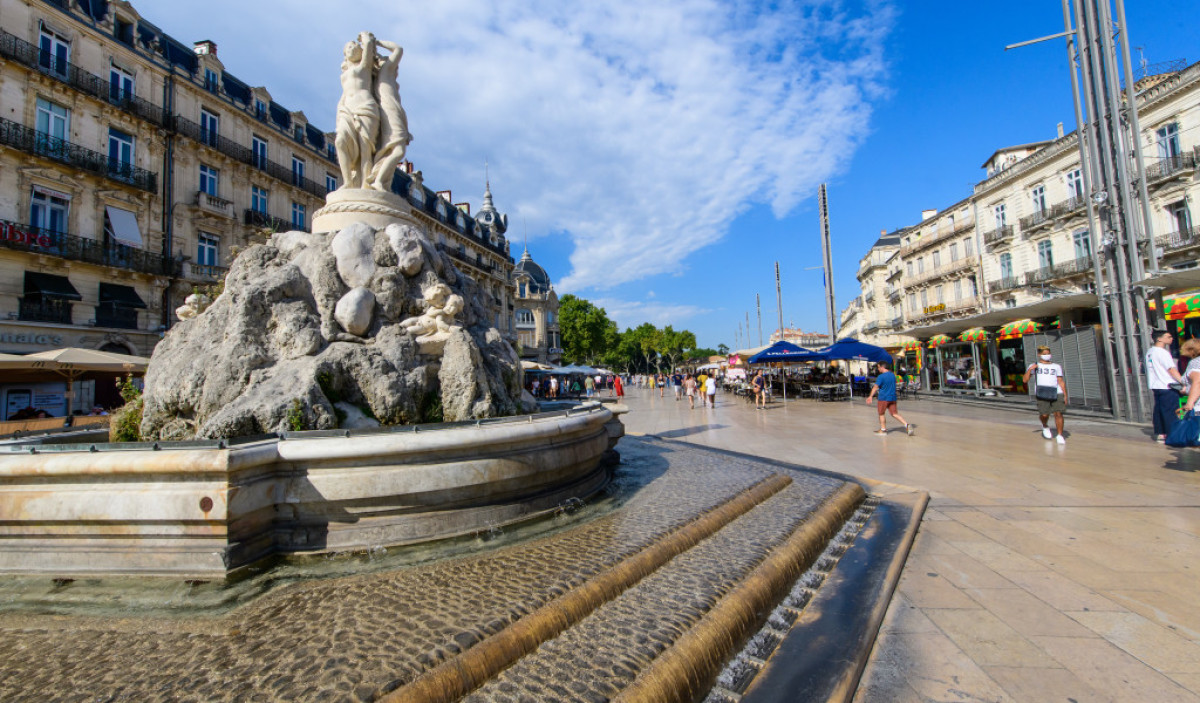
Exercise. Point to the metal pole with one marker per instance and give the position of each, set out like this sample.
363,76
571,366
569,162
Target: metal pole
827,256
1135,127
748,329
1095,232
779,303
758,308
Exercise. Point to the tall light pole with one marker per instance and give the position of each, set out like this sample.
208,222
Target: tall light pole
827,256
758,307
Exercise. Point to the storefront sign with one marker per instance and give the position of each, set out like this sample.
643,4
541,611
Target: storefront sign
935,308
14,233
43,339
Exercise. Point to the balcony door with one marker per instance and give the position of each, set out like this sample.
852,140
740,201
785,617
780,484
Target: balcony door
53,126
54,51
120,153
48,210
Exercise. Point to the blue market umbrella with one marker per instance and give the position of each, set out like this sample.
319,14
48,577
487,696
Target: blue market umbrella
850,349
784,351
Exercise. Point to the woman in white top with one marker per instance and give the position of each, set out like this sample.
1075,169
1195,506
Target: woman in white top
1191,375
1050,391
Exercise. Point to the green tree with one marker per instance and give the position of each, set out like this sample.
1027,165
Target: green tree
586,330
701,354
723,349
671,344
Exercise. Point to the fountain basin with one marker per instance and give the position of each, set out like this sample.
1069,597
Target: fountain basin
206,509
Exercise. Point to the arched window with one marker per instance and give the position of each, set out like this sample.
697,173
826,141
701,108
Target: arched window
525,318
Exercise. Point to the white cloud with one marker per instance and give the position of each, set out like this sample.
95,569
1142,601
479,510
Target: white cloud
631,313
638,129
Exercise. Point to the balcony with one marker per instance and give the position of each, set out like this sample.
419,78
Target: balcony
1171,167
870,327
476,261
1067,207
245,155
68,246
254,218
943,270
1058,271
117,316
1176,241
1036,221
1002,284
22,52
998,235
18,136
897,322
936,237
869,297
893,294
213,204
41,309
206,273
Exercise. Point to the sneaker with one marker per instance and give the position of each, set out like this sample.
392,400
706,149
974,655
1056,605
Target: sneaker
880,431
1161,439
1046,433
911,429
1060,439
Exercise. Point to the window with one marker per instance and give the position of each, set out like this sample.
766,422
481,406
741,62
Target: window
1075,184
912,302
120,84
953,252
1000,212
211,81
258,146
550,318
1038,195
1083,244
521,289
525,318
258,199
1010,303
54,51
967,244
330,182
1045,254
921,265
958,289
210,127
298,133
925,298
937,259
210,180
909,269
1168,141
53,125
120,152
941,294
123,30
208,248
299,217
297,171
1006,270
260,109
974,286
48,210
1180,217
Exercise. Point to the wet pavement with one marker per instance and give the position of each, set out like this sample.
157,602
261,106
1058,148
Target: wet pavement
1041,572
353,637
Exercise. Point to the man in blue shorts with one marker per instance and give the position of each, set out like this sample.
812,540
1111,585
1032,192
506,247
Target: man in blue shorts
885,388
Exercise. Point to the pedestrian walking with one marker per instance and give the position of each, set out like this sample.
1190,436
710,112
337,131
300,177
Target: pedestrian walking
618,387
677,382
589,385
689,386
1191,374
1050,391
662,384
710,391
1161,371
883,394
760,396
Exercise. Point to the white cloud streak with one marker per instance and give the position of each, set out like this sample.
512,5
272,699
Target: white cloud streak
629,314
640,130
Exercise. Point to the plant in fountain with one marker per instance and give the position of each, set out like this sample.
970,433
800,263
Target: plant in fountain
125,423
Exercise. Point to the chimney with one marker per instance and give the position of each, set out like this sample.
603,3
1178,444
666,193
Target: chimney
883,233
445,195
1060,130
926,214
205,46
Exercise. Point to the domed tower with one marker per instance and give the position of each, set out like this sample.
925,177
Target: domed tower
536,316
491,220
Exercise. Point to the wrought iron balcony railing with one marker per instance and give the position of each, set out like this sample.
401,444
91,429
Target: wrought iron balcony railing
20,51
254,218
204,272
1175,241
18,136
245,155
68,246
1037,219
1002,284
44,310
998,235
937,236
1171,166
1059,270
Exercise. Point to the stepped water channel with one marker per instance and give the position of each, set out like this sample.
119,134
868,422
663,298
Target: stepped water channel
686,578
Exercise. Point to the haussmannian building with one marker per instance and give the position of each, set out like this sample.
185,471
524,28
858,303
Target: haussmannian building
536,317
134,167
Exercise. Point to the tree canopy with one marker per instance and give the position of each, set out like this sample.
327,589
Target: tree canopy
589,337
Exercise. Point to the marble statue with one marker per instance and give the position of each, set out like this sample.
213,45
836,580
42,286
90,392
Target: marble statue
372,128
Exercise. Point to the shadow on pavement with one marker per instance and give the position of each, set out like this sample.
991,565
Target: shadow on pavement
685,431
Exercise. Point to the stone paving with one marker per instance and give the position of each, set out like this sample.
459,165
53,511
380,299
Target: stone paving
350,638
1041,572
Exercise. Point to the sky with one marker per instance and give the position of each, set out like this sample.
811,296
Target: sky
660,158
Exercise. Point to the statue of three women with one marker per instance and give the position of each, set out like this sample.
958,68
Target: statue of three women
372,129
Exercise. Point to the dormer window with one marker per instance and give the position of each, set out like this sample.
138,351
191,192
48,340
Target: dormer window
298,133
123,31
260,109
211,80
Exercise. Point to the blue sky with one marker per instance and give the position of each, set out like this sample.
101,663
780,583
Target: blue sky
663,156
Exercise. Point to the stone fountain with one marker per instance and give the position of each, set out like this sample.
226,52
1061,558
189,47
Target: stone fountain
346,393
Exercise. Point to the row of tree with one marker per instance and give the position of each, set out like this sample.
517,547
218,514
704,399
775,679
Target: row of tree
589,337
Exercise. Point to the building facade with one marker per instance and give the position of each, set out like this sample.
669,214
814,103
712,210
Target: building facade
536,318
808,340
134,168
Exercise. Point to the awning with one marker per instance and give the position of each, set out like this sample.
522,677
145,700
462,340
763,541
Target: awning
912,346
123,226
1172,281
1183,307
939,339
50,285
1049,307
125,296
1018,329
977,334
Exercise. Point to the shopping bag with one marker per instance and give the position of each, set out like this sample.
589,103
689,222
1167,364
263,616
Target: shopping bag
1186,432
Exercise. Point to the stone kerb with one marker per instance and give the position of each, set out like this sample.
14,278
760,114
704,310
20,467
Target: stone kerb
347,206
206,511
